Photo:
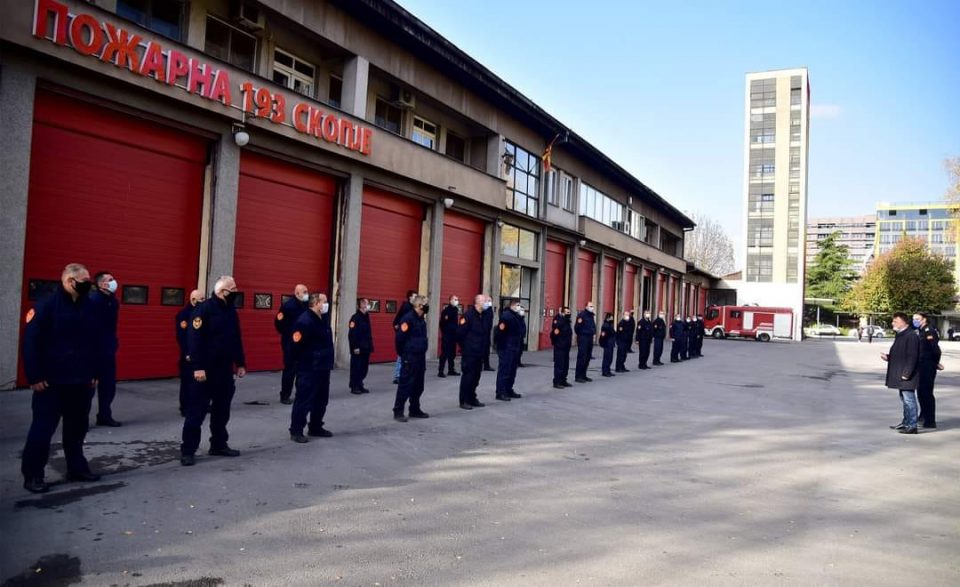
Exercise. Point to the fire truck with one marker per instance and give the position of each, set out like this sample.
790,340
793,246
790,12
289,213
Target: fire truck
757,322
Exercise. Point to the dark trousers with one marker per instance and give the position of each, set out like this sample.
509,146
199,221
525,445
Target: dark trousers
584,352
506,369
186,379
359,366
213,395
313,395
644,351
412,369
927,376
107,387
622,356
675,347
70,402
289,369
561,364
472,366
448,353
486,358
607,358
657,350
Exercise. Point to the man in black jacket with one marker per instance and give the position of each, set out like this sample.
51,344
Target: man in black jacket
312,341
585,329
289,311
644,338
561,337
405,308
624,341
474,341
902,373
928,364
509,337
411,343
659,333
488,327
449,321
183,325
361,346
104,304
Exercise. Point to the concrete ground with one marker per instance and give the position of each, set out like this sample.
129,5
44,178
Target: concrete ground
760,464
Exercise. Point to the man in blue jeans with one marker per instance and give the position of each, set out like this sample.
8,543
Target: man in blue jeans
902,371
405,308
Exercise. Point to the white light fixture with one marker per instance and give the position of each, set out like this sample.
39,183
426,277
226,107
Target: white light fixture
629,259
240,136
448,202
583,243
499,223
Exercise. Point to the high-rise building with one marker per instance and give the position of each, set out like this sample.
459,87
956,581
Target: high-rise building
934,223
857,233
776,133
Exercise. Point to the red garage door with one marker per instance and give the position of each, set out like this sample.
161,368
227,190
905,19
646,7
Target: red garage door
389,260
120,194
284,237
610,267
586,262
462,266
629,287
553,287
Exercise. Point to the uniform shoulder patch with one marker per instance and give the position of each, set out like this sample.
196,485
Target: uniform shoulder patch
297,336
579,320
197,323
556,331
30,314
352,324
503,326
279,315
463,321
183,324
404,327
930,337
620,328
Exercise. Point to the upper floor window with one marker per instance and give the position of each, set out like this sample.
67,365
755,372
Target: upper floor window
387,116
456,147
293,73
565,191
335,91
763,93
164,17
424,132
518,242
231,44
522,170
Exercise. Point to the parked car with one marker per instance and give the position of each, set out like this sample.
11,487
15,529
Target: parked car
824,330
878,331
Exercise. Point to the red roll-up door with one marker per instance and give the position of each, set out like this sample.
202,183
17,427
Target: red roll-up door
586,262
118,194
462,264
389,260
553,287
630,287
610,267
284,237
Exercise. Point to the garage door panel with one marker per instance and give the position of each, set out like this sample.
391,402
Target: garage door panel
609,285
554,282
630,287
586,267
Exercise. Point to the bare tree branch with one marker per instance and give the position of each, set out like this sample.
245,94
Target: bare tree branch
708,246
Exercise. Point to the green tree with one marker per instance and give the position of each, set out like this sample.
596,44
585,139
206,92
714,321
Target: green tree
908,278
831,275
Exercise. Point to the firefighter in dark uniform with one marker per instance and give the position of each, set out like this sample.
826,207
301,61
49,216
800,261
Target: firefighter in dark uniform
411,343
927,366
659,333
474,341
698,335
509,338
608,339
214,346
288,314
449,321
488,327
405,308
644,338
360,337
561,337
685,348
676,339
61,362
104,304
624,342
585,329
312,341
183,325
632,329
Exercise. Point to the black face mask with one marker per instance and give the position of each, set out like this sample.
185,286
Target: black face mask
426,308
82,287
230,298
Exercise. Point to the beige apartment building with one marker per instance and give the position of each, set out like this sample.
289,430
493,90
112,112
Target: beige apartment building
857,233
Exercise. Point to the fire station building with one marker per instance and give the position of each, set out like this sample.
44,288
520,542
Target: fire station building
339,143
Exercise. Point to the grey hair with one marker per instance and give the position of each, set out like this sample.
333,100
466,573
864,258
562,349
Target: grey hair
420,300
222,282
72,270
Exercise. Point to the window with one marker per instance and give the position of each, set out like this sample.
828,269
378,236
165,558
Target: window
293,73
759,267
794,96
565,187
387,116
523,179
164,17
518,242
456,147
424,132
763,128
605,210
551,187
763,93
334,91
231,45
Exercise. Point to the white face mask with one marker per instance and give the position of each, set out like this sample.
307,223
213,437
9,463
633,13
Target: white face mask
324,308
646,316
304,297
112,286
487,305
522,312
590,309
455,303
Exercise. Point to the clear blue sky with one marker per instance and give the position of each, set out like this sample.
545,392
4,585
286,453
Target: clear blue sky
659,87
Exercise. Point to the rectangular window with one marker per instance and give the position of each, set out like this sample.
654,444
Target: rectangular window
551,187
230,44
164,17
424,132
293,73
518,242
335,91
763,93
522,169
387,116
456,147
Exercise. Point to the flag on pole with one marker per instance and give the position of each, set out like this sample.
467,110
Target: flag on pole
548,153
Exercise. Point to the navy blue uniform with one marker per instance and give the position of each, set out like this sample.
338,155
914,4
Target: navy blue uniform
644,338
283,322
585,329
624,342
687,342
487,317
659,333
561,337
360,336
608,339
698,336
107,309
411,343
631,330
449,321
214,345
182,323
474,341
312,342
927,375
509,339
405,308
61,347
676,334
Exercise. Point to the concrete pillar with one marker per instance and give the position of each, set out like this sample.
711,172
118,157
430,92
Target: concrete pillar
17,89
574,303
495,265
494,156
356,77
598,301
223,232
488,253
434,271
349,261
536,313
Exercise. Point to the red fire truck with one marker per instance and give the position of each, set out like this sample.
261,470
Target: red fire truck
757,322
